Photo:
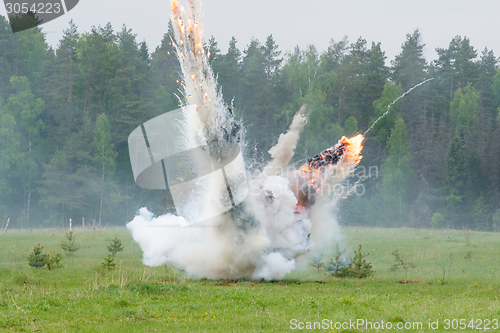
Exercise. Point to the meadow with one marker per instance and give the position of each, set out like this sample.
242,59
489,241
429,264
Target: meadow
454,276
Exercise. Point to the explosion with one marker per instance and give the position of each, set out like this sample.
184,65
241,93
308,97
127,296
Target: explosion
238,225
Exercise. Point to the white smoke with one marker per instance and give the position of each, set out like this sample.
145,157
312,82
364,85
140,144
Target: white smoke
264,236
229,251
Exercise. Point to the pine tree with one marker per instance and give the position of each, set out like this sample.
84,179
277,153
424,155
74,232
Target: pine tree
496,101
10,155
360,268
70,183
409,67
254,96
130,81
333,57
361,79
396,174
456,65
23,54
70,245
104,154
317,263
214,55
481,214
334,78
381,130
108,262
454,182
97,69
272,57
401,263
37,258
26,110
115,246
464,111
59,88
165,80
351,126
229,77
487,70
53,262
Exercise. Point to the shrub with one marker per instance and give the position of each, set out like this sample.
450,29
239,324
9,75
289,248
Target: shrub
108,262
343,272
337,263
360,268
53,262
317,263
115,246
69,246
437,220
401,263
37,258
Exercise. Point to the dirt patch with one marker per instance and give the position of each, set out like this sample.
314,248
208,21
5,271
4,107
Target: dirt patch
409,281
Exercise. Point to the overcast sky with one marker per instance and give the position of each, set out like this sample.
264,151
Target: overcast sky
301,23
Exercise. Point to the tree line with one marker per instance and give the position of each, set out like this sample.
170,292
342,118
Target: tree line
66,113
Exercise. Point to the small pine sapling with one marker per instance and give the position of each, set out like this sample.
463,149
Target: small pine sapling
401,263
336,264
317,263
466,234
359,267
115,246
108,262
53,262
447,270
37,258
69,246
468,256
333,265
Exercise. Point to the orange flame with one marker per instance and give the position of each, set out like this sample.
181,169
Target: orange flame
175,6
355,147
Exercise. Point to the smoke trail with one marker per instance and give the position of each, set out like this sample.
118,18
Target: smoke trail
263,236
284,150
394,102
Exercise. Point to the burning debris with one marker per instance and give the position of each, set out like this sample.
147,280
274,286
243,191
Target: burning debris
314,172
328,156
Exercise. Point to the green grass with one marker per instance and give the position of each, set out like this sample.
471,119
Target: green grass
84,297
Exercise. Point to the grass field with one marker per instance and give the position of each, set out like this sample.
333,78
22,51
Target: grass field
84,297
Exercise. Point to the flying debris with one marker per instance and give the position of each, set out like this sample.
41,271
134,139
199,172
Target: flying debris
329,156
314,171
